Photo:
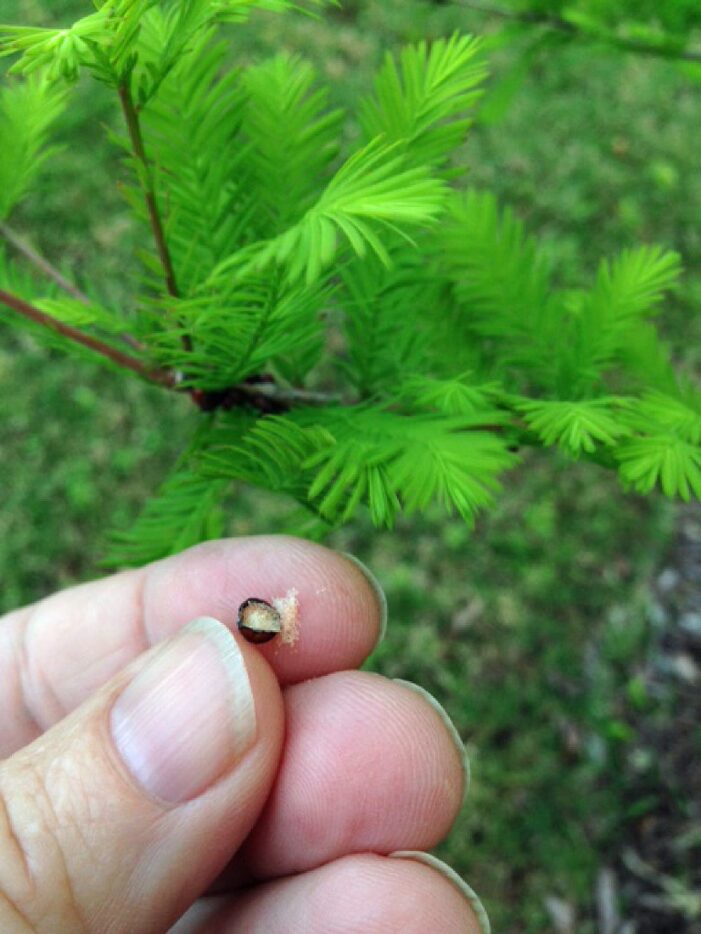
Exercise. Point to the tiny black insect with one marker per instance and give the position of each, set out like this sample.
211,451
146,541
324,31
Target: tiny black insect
258,621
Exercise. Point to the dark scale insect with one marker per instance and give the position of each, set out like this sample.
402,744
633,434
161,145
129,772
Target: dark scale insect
258,621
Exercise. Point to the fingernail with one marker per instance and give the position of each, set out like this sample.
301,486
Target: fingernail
377,588
450,726
430,860
188,717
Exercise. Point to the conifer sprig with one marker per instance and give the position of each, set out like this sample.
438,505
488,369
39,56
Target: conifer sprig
28,111
445,343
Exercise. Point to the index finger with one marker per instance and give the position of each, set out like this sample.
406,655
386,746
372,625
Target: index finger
56,653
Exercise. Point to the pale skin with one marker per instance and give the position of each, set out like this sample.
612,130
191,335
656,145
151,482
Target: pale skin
294,835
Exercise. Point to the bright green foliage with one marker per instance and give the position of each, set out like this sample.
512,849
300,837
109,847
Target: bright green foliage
184,511
680,415
237,329
102,41
405,462
384,309
196,112
497,270
663,459
370,194
457,396
291,138
125,38
301,262
565,340
81,314
627,290
337,459
27,111
666,444
429,86
575,426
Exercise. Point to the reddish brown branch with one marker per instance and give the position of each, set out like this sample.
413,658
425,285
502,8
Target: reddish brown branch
25,249
137,142
131,117
21,307
42,264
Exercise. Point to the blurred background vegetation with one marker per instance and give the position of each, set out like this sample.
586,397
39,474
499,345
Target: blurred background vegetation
562,635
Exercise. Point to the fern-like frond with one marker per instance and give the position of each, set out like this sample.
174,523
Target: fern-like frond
238,331
562,341
270,452
505,318
107,41
291,138
661,458
458,396
633,285
418,101
576,426
168,36
337,459
394,462
183,512
60,51
101,41
27,111
656,412
192,136
646,359
500,276
626,292
81,315
386,314
372,193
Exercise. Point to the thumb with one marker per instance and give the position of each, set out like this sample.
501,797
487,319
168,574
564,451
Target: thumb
122,814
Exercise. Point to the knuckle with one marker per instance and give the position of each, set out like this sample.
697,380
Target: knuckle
36,888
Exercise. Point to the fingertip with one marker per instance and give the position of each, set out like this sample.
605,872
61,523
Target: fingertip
340,609
378,592
450,727
447,872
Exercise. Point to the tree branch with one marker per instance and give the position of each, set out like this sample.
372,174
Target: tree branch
49,270
558,24
131,117
289,397
42,264
24,308
262,393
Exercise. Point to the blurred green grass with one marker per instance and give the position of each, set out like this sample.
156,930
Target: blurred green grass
532,628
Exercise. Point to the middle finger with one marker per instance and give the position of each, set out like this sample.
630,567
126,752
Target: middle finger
369,765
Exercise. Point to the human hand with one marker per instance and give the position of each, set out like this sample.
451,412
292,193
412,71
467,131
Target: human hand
274,780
